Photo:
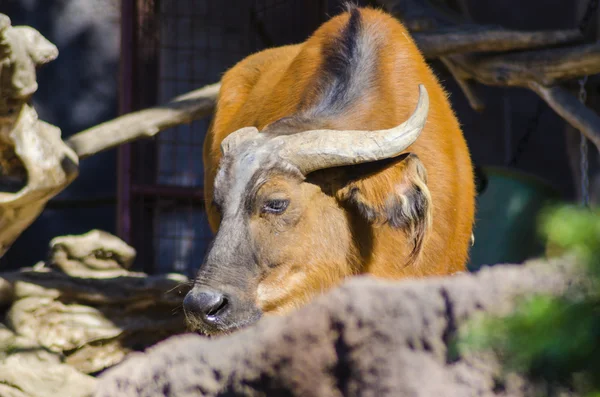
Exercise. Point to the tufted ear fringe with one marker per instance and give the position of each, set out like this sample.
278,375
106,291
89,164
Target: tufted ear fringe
407,206
411,207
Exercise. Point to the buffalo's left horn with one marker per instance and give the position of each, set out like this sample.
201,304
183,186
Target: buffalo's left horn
318,149
237,137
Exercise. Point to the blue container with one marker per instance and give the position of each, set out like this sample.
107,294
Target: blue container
506,217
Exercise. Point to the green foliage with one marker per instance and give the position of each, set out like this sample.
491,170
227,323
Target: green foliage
576,230
554,339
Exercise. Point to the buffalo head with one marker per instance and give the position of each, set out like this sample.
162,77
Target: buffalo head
282,237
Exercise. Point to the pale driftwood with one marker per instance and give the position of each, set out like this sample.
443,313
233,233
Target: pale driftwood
22,49
35,163
140,289
84,305
95,254
27,369
145,123
50,167
32,151
95,322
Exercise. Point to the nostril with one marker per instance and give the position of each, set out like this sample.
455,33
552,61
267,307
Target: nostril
219,306
205,304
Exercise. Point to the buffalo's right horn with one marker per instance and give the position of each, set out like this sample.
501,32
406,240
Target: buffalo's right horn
318,149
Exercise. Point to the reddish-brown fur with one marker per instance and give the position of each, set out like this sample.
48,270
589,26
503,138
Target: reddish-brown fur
269,85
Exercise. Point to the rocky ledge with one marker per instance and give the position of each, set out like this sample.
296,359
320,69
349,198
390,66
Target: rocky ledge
367,338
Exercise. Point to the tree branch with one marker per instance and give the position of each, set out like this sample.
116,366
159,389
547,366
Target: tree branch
546,67
543,66
145,123
478,38
569,108
465,50
465,85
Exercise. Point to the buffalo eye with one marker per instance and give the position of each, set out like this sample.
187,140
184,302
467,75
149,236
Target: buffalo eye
275,206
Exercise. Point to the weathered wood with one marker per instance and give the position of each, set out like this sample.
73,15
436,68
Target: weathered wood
489,56
569,108
546,66
465,85
136,288
33,153
27,369
477,38
145,123
84,304
35,163
95,254
95,322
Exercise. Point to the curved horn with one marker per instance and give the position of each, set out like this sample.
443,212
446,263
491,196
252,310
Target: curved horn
319,149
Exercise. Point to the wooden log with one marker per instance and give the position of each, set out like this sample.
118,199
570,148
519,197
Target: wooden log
145,123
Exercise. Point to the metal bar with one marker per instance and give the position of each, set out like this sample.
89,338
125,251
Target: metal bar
82,202
146,95
194,194
125,106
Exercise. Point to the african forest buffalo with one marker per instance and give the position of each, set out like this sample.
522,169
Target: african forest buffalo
335,157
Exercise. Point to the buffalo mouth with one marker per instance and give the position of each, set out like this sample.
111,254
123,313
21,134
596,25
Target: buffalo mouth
210,313
212,331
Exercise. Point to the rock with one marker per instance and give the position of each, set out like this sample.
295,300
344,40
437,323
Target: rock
95,254
41,380
22,49
29,370
28,350
96,320
368,337
58,326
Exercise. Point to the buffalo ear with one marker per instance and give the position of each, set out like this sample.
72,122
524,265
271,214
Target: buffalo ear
404,205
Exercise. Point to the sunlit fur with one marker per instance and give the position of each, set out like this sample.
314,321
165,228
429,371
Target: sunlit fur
324,237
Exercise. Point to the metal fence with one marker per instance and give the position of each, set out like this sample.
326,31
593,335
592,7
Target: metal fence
170,47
